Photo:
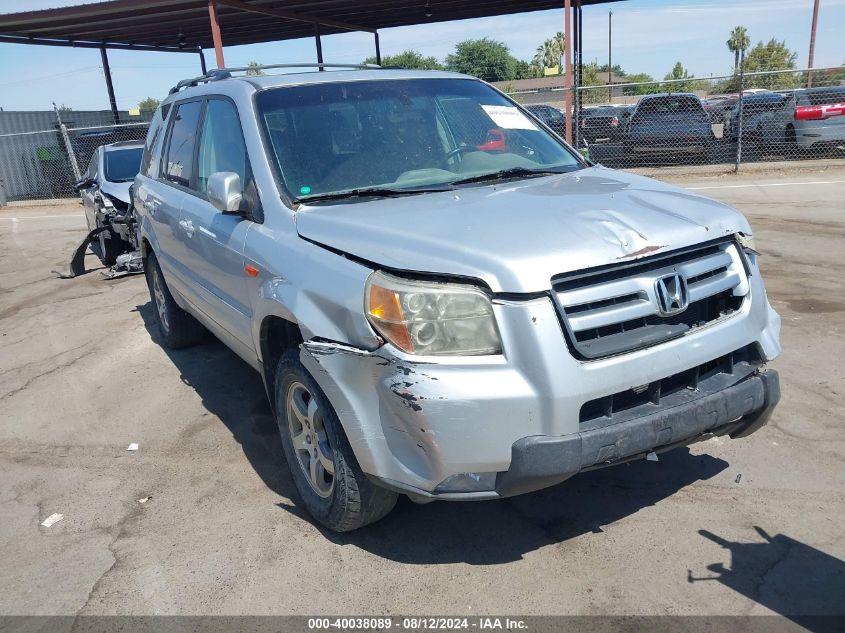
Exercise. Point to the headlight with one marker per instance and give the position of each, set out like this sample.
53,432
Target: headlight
746,241
431,318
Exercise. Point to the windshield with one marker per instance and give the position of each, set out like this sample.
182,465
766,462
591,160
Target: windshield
121,165
400,134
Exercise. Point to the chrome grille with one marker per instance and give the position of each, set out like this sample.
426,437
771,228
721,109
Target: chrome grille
616,309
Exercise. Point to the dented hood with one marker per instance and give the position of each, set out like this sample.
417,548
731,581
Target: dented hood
119,190
515,236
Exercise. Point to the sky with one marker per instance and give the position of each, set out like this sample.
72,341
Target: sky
648,36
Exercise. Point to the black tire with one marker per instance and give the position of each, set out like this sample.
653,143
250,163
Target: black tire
110,246
352,501
178,329
789,139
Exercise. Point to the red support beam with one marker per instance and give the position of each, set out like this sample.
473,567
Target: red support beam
215,33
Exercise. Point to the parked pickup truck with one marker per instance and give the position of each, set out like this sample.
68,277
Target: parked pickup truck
444,300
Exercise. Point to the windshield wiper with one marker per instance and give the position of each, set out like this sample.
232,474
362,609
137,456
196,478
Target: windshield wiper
513,172
372,192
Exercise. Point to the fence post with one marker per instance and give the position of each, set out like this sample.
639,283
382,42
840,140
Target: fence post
739,112
70,153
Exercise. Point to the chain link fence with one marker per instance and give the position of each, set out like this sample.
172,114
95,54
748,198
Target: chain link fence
718,121
768,116
44,164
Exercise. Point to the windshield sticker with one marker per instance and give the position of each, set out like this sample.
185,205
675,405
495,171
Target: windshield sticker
508,117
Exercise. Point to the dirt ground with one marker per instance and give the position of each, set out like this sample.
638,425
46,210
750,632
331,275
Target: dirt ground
751,526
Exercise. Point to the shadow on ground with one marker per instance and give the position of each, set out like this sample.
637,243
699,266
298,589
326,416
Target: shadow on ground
787,576
480,533
232,390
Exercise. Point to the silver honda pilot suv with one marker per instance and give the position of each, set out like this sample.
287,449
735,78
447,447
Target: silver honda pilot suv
444,300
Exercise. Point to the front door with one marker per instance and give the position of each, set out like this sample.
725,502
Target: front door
214,241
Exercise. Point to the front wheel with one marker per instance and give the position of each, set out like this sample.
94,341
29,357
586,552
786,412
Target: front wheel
111,246
333,488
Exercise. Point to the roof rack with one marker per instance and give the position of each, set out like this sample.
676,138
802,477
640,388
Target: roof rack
218,74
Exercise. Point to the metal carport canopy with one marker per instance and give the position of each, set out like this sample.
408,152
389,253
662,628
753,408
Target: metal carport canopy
192,25
185,24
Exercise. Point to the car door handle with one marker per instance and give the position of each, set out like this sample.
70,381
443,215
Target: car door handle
152,205
187,226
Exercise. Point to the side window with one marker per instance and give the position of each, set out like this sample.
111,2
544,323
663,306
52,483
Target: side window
180,150
92,166
157,125
221,143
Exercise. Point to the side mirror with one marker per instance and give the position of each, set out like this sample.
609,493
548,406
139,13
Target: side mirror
85,183
224,191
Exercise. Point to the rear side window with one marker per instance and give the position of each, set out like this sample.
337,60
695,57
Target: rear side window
178,165
151,145
221,143
92,166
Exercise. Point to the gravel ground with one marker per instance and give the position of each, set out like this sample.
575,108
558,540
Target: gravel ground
751,526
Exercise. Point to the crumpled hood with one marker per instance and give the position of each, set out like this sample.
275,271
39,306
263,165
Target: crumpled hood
515,236
119,190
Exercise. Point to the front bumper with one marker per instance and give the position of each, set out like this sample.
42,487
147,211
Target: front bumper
446,427
541,461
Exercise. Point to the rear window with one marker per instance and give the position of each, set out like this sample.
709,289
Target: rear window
122,165
607,111
670,105
826,96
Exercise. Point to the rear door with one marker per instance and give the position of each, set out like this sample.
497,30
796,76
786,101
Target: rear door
214,241
162,197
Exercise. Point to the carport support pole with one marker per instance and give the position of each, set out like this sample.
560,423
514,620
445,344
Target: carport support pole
378,49
740,113
319,44
107,71
567,48
576,106
215,33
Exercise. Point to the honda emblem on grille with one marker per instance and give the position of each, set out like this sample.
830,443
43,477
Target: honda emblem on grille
672,295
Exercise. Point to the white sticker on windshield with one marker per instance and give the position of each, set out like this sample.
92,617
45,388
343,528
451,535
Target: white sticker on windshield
508,117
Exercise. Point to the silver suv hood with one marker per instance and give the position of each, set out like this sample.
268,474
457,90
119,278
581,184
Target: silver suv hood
515,236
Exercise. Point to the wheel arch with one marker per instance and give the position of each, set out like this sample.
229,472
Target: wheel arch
277,334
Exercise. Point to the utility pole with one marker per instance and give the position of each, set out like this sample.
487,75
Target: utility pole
812,43
609,47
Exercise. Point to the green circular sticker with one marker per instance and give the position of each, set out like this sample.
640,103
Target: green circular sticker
305,190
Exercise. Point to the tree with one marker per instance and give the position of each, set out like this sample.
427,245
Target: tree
148,105
412,60
549,53
254,68
616,69
524,70
737,43
679,72
648,86
773,55
485,58
591,77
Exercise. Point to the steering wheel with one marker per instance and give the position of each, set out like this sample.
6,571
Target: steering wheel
457,152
